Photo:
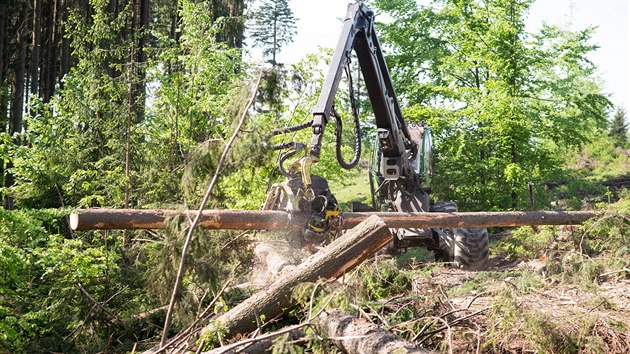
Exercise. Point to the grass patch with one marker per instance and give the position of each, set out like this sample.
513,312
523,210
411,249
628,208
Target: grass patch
355,188
412,256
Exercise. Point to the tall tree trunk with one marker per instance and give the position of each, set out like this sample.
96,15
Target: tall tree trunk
47,52
17,96
275,41
17,87
65,64
513,76
56,35
36,46
3,94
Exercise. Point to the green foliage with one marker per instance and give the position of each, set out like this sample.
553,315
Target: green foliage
525,243
608,233
502,102
73,151
213,258
384,281
516,324
599,159
618,129
77,146
46,281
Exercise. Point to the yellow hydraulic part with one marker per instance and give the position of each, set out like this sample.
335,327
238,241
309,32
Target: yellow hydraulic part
316,229
304,165
328,216
332,214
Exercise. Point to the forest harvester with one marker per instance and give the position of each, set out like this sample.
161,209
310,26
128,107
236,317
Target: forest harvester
400,170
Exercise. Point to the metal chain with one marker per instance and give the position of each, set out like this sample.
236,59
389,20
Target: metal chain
276,132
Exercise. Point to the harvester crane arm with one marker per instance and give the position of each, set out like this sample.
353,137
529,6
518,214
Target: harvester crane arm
358,34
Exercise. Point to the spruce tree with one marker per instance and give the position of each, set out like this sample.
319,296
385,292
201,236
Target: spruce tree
272,26
618,130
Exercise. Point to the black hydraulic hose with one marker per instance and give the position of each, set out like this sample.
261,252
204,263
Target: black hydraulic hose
297,147
357,129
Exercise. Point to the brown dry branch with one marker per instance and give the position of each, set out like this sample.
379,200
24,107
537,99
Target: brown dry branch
447,325
193,328
206,197
245,343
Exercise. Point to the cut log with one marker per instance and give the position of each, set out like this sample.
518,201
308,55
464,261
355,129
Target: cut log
108,219
357,336
336,259
137,219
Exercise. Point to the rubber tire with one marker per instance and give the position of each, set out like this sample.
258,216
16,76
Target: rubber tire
470,249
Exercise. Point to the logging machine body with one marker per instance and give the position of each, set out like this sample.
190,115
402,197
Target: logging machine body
401,168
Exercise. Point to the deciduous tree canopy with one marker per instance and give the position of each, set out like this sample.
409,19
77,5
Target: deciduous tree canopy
503,102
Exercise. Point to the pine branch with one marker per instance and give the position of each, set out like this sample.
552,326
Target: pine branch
206,197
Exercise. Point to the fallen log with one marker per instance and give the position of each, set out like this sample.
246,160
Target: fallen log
134,219
260,344
342,255
350,334
357,336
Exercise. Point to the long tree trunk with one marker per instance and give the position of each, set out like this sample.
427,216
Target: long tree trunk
17,96
356,336
3,94
51,32
133,219
513,93
36,46
65,59
336,259
140,15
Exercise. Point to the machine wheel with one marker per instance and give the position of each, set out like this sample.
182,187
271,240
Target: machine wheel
465,248
471,248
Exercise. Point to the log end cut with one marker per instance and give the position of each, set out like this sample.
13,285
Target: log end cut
74,221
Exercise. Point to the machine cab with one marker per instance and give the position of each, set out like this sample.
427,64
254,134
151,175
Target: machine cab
422,162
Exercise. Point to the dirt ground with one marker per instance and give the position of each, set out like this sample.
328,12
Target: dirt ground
572,314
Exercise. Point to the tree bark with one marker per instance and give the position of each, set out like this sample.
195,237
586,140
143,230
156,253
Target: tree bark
36,44
3,94
54,39
132,219
17,96
65,59
3,32
342,255
357,336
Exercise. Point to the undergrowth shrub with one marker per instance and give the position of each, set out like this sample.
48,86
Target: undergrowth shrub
526,243
519,328
594,248
51,280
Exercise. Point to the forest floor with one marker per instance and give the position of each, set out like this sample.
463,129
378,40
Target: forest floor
517,308
552,289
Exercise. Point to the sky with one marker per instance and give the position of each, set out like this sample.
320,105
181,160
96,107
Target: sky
319,24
